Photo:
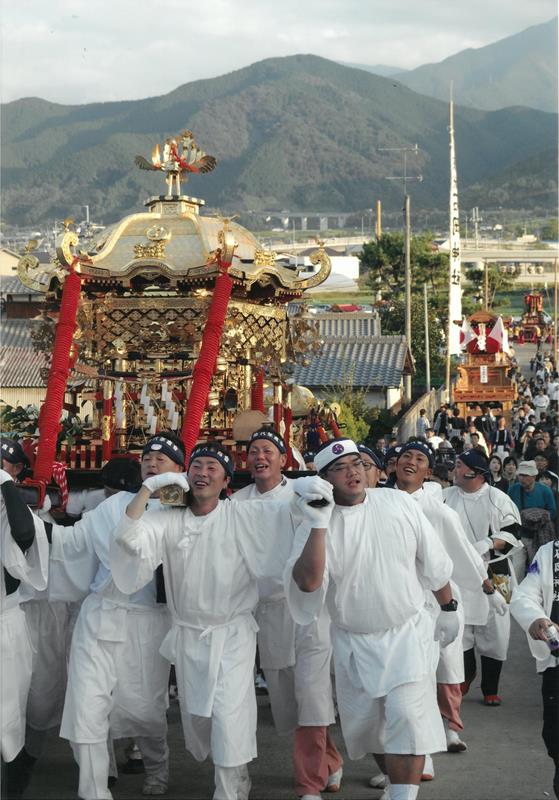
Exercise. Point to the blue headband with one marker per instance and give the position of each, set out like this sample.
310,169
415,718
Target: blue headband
270,436
160,444
378,462
13,452
421,447
205,451
392,452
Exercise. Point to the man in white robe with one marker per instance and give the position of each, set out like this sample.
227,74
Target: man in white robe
51,623
491,521
469,573
372,556
23,560
117,679
535,606
213,554
295,658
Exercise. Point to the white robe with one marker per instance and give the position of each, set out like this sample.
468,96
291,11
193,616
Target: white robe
295,658
532,599
381,556
212,564
468,572
115,674
484,514
30,568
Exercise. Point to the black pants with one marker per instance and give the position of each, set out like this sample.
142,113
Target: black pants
550,697
490,671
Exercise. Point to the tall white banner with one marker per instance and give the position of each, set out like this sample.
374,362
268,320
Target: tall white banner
455,272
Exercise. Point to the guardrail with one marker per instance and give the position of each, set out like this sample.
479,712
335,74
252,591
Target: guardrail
430,401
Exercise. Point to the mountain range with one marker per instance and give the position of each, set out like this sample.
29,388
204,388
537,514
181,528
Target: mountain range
520,70
300,133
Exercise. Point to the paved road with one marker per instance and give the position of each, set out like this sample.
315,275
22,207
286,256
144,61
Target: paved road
505,758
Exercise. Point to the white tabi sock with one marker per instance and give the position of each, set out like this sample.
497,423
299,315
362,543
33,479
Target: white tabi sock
403,791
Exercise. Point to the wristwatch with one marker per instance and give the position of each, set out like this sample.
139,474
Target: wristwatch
451,606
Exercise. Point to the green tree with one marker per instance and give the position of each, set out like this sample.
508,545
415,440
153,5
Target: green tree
498,283
383,260
354,427
393,322
550,230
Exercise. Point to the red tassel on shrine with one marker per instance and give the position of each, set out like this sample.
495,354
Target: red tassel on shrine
288,419
321,433
334,427
257,392
51,410
205,366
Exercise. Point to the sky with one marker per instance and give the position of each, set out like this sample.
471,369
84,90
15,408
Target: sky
75,52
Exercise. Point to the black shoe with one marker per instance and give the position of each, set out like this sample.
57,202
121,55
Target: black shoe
17,775
133,766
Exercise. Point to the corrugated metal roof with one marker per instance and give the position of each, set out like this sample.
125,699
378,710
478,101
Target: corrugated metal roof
19,364
372,362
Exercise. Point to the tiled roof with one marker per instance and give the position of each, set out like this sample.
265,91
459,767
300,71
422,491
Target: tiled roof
19,364
11,284
374,361
350,325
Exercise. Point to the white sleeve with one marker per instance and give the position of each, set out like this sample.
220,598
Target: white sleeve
304,607
434,565
73,561
527,603
136,550
31,566
469,568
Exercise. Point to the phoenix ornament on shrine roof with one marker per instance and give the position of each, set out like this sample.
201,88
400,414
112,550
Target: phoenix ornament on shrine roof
181,155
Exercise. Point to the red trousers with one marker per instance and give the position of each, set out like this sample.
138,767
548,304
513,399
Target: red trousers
449,700
315,757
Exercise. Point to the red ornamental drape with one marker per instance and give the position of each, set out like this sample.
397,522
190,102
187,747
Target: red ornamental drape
257,393
205,366
288,419
51,410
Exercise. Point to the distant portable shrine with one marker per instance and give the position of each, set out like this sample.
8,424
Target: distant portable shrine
484,377
175,317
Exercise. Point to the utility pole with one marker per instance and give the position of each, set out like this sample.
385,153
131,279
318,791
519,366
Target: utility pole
476,219
485,284
407,244
427,351
378,228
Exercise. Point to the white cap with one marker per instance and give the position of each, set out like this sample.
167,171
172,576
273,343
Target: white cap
333,450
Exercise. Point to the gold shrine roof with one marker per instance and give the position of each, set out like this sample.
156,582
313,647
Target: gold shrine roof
172,240
172,244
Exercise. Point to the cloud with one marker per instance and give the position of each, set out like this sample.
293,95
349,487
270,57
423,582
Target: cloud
72,51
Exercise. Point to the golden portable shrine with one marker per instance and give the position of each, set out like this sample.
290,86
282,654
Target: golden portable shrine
485,375
172,320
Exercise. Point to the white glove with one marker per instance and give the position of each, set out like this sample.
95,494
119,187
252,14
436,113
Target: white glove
498,603
447,627
316,516
313,488
5,476
484,545
156,482
47,505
